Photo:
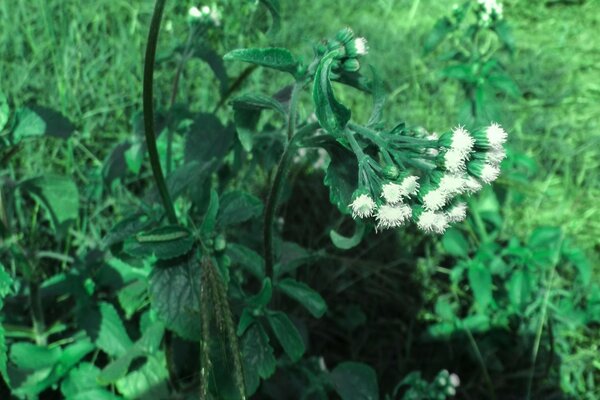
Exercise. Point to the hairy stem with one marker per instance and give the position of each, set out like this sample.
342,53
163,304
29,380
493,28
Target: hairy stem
273,198
149,111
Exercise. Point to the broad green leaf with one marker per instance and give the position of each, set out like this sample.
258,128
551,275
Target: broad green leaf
519,288
125,228
440,30
38,121
215,62
273,7
133,297
379,97
247,110
545,244
345,243
60,197
274,57
175,296
81,384
164,243
4,111
331,114
460,72
341,176
504,33
258,101
104,326
210,218
29,356
247,258
455,244
149,382
291,256
257,352
304,295
262,298
287,334
503,82
355,381
480,280
207,139
237,207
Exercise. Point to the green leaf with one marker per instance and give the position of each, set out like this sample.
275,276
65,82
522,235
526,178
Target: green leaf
480,280
504,83
207,139
341,176
262,298
355,381
460,72
379,98
148,382
164,243
125,228
273,7
3,356
346,243
331,114
455,244
175,296
59,195
4,111
38,121
287,334
247,110
258,102
504,33
304,295
215,62
247,258
133,297
81,384
237,207
519,288
276,58
210,218
6,284
105,328
29,356
257,352
440,30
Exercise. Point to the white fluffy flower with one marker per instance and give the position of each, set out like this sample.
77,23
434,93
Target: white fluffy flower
391,192
489,173
462,141
410,185
435,199
454,161
194,12
452,184
454,380
360,44
495,156
457,213
472,185
363,206
389,216
430,221
496,135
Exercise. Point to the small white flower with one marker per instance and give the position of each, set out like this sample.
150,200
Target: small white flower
495,156
489,173
450,391
454,161
360,44
430,221
454,380
363,206
435,199
457,213
462,141
472,185
391,192
442,381
410,186
389,216
194,12
496,135
452,184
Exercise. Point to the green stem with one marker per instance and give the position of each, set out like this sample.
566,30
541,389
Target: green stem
149,111
292,114
273,198
37,314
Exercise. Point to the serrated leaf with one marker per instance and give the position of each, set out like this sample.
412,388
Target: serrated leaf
276,58
237,207
304,295
59,195
287,334
81,384
175,296
257,352
455,244
38,121
480,281
247,259
148,382
355,381
331,114
164,243
104,326
346,243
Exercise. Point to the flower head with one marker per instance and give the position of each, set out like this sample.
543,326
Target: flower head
489,173
392,216
495,156
362,206
454,161
457,213
472,185
391,192
432,222
360,44
452,184
194,12
496,135
462,141
435,199
454,380
410,186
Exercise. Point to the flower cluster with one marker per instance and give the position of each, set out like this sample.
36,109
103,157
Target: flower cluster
348,48
489,10
444,385
206,14
453,165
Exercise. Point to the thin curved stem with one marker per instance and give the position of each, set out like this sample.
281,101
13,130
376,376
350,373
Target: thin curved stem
273,198
149,111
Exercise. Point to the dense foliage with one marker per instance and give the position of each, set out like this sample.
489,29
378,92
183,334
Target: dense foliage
241,206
